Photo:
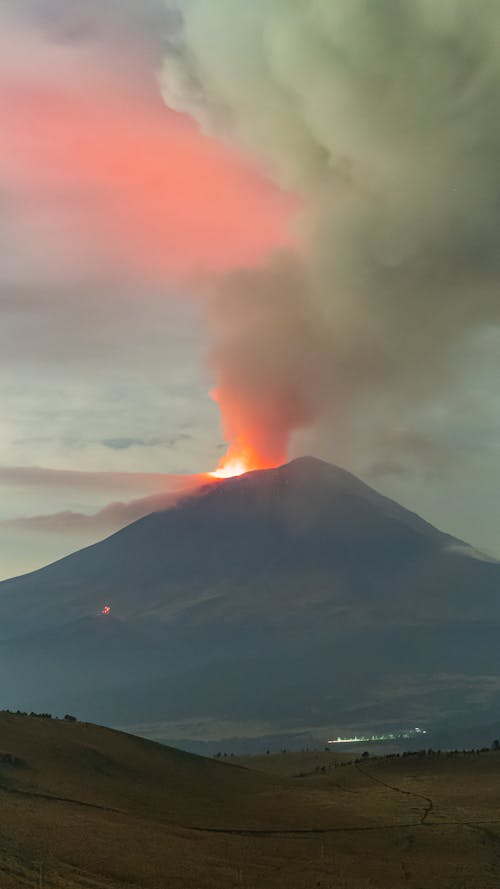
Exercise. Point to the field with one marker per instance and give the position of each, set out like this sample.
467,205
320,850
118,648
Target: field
83,807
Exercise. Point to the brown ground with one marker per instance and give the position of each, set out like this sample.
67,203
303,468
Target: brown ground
293,765
88,808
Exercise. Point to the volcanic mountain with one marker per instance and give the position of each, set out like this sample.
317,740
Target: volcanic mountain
287,598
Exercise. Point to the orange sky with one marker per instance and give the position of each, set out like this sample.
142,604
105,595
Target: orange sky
120,181
102,179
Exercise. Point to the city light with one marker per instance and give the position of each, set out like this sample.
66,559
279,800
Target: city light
390,736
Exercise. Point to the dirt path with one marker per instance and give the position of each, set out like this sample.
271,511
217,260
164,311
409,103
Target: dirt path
429,805
282,832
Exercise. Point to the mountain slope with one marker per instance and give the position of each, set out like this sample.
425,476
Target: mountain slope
297,594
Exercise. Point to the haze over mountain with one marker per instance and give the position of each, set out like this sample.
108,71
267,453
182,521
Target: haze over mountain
288,598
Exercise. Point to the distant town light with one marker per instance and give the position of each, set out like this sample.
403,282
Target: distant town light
389,736
106,609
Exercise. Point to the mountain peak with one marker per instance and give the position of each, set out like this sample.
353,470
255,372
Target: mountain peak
314,493
309,475
311,468
303,470
268,594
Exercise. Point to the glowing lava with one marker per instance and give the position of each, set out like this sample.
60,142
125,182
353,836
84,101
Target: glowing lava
252,444
106,610
238,460
231,468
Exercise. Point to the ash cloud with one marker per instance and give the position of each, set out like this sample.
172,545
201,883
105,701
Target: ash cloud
402,446
269,356
384,118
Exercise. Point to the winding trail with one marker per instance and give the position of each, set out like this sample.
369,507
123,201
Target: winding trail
429,805
279,832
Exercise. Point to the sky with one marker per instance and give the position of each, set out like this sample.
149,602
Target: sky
272,228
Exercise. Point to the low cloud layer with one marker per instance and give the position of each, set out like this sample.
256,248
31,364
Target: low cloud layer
38,476
112,517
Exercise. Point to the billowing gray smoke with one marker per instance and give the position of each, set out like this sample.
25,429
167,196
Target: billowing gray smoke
384,117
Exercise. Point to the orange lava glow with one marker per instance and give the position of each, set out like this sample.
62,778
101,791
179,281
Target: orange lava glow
231,468
257,430
238,460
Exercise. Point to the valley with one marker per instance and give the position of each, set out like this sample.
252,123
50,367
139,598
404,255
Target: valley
84,807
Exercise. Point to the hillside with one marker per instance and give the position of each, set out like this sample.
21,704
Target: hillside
293,598
83,807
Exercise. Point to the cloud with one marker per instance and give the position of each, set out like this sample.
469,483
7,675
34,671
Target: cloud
99,181
123,444
269,357
112,517
383,117
379,120
403,450
147,21
110,207
37,476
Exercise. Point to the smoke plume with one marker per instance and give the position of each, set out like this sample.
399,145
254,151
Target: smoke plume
383,118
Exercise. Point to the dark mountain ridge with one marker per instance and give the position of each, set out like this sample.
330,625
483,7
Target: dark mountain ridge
296,594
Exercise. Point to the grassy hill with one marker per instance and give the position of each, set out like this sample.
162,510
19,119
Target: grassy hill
84,807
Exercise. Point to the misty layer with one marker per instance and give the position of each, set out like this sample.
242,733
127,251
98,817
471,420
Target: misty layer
114,516
384,118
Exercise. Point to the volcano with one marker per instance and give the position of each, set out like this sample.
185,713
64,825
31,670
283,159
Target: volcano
289,598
